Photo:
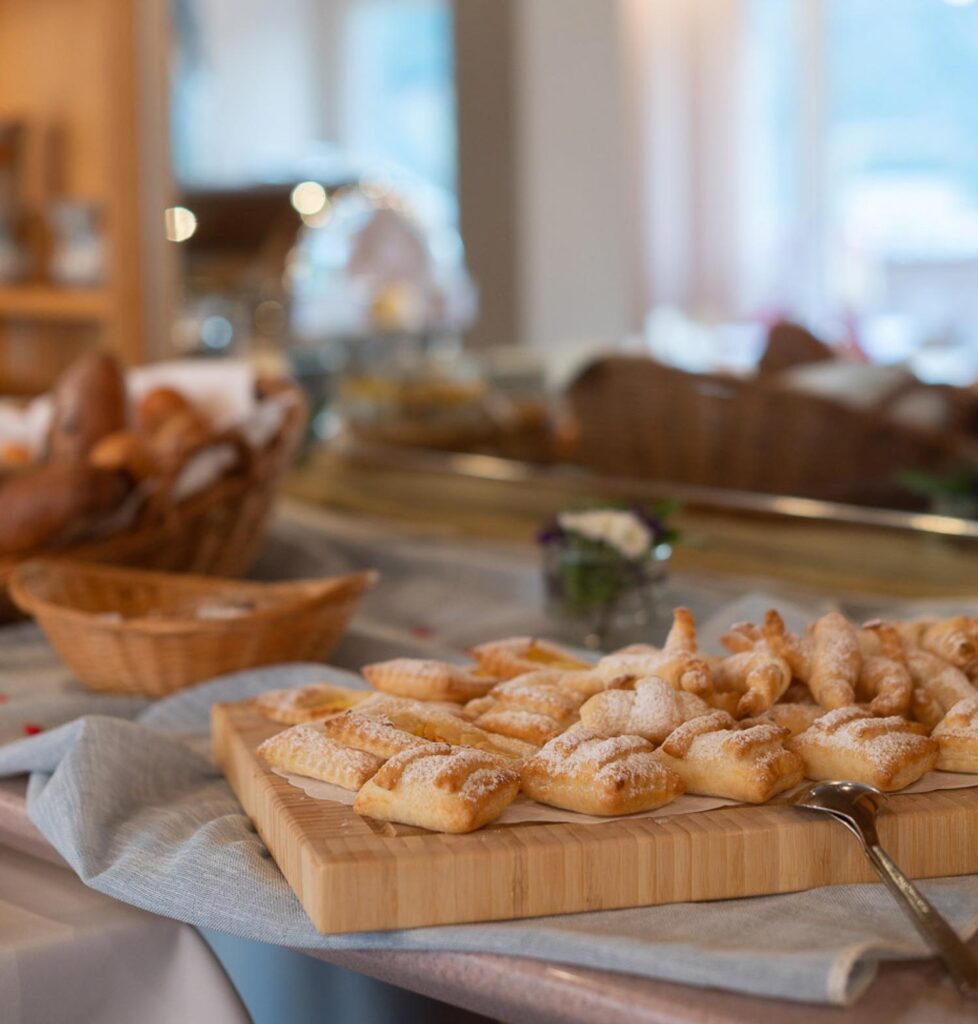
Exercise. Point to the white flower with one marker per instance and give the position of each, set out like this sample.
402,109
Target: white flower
623,531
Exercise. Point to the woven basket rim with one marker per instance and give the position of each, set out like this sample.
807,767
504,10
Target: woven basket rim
326,591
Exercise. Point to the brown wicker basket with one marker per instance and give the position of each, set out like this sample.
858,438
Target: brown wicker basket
217,532
133,631
637,418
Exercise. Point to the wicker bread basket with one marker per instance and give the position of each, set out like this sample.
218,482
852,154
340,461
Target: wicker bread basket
217,532
133,631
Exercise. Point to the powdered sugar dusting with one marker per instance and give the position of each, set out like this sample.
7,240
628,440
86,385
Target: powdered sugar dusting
884,743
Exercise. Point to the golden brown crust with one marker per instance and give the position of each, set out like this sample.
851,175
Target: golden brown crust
796,651
518,655
849,743
682,635
305,703
940,680
427,679
793,718
581,771
89,403
528,708
49,503
439,787
759,676
376,735
952,640
433,722
684,671
157,406
306,750
652,710
884,679
124,451
588,682
836,661
957,737
716,758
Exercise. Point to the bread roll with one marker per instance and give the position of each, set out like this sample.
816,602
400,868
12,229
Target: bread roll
40,506
124,451
89,402
157,406
178,437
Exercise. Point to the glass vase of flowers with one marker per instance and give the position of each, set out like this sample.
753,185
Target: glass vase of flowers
603,570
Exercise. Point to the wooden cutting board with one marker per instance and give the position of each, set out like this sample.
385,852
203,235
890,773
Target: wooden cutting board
356,874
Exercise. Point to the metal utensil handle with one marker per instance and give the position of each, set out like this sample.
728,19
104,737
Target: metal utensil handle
939,935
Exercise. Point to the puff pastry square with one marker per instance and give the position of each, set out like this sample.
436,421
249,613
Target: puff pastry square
431,722
387,703
582,771
716,758
515,656
306,750
440,787
652,710
306,703
528,708
373,733
850,744
427,680
957,737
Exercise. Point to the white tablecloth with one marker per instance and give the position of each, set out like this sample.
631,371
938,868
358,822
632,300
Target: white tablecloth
69,954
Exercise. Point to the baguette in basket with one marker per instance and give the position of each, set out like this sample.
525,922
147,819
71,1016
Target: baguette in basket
179,475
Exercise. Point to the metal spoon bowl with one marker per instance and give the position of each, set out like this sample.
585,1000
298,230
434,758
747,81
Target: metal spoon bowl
855,805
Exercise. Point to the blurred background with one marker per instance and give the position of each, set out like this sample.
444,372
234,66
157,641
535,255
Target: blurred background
725,243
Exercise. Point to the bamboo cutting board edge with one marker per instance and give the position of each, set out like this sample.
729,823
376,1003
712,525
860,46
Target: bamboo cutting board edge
354,874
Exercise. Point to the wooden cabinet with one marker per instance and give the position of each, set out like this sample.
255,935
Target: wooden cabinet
88,81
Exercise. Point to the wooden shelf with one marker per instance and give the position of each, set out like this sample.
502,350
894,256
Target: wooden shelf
49,302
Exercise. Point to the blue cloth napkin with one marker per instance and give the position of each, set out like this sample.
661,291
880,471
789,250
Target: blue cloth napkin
139,811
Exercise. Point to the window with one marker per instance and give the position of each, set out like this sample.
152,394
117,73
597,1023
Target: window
280,90
860,133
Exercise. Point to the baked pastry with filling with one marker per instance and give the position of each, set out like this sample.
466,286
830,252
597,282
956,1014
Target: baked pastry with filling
957,738
440,787
375,734
716,758
526,708
652,710
431,722
306,750
428,680
850,743
306,703
593,774
515,656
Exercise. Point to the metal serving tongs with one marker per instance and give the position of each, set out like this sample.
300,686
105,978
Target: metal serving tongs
855,805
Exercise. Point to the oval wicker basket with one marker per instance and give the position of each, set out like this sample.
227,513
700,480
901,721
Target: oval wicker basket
133,631
217,532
